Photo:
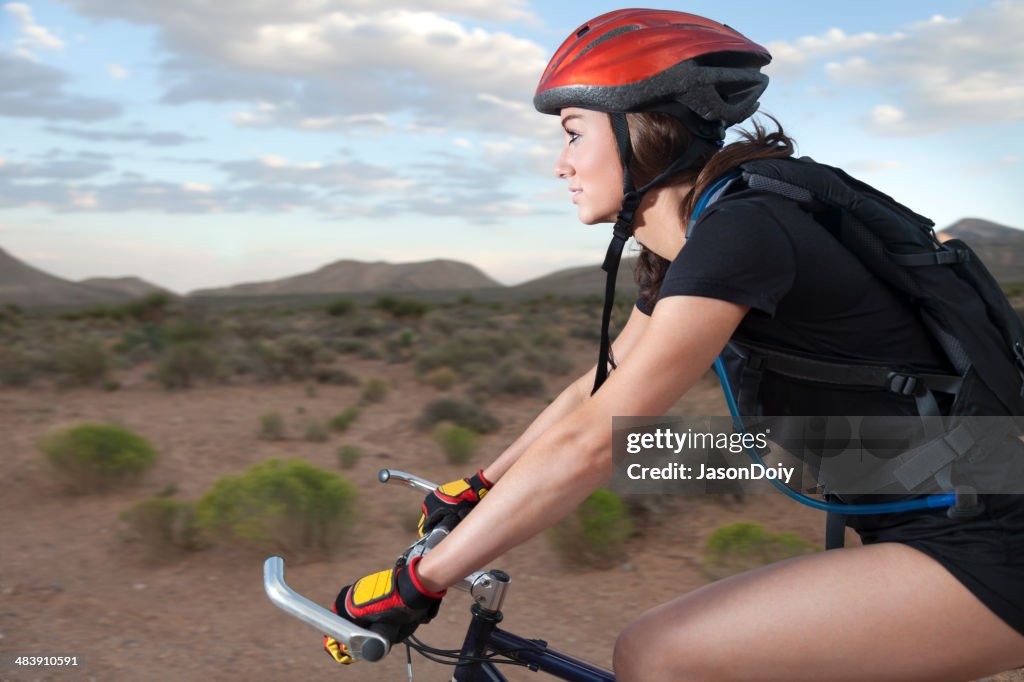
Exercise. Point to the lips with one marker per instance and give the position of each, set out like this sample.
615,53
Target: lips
576,192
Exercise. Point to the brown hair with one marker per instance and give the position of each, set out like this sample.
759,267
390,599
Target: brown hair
658,139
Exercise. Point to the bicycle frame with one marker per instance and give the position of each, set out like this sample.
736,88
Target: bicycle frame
483,637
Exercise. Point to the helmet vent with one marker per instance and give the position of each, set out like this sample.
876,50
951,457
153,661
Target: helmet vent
579,33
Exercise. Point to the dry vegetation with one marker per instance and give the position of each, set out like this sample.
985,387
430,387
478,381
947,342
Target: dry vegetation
260,430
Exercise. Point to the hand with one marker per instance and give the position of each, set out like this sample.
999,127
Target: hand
392,600
452,501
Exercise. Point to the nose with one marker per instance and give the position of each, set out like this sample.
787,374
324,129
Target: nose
563,169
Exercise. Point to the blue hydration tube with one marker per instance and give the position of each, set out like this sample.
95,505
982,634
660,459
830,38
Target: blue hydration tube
928,502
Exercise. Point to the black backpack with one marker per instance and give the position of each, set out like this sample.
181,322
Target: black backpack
957,298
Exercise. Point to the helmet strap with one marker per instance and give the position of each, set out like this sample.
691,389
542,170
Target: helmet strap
623,228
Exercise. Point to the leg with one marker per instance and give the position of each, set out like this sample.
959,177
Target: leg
879,612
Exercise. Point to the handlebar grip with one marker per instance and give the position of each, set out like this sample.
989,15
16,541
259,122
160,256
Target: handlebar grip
374,650
362,643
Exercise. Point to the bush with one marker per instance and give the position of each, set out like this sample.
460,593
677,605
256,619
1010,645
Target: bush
401,307
187,329
457,442
316,432
92,457
341,421
348,455
743,545
163,524
182,364
340,307
81,363
272,426
282,505
375,391
336,376
441,378
458,412
15,367
594,534
507,381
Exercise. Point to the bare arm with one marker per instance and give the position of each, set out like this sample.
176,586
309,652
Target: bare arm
573,456
574,395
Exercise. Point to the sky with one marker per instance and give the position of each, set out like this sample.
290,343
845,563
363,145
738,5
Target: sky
201,144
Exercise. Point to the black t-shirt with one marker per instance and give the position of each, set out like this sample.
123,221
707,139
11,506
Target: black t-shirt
807,294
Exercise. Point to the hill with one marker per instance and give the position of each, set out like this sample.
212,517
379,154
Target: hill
999,246
28,287
586,280
123,287
351,276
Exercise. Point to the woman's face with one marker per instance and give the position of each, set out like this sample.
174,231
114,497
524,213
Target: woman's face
590,163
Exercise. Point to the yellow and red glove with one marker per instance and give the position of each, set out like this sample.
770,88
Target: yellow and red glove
452,501
393,601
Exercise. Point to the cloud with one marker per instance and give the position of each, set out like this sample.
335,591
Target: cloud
939,74
343,177
32,90
117,72
33,35
160,138
321,63
76,168
794,57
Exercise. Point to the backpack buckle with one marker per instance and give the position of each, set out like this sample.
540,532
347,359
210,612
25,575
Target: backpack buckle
902,384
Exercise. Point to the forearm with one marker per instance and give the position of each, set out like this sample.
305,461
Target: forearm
557,472
574,395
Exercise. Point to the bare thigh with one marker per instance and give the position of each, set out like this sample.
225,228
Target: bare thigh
879,612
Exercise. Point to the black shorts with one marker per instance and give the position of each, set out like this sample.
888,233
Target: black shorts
985,552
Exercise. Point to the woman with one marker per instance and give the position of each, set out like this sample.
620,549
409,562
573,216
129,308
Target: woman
905,607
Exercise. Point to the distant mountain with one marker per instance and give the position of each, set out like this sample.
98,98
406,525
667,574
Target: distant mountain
122,287
999,246
587,280
26,286
353,276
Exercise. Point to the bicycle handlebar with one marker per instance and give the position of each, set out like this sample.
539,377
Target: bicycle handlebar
361,643
487,588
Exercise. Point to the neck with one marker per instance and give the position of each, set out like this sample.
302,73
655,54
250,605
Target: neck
659,223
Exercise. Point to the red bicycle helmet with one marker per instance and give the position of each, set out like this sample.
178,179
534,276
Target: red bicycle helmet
634,60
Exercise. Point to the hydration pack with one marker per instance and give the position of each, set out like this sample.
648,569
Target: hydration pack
957,300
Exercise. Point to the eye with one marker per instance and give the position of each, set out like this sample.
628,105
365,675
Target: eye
573,136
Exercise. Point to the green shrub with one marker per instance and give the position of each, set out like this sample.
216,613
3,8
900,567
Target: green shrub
743,545
441,378
348,455
457,442
458,412
375,391
505,381
341,421
401,307
92,457
182,364
272,426
336,376
81,363
595,533
15,367
163,525
316,432
188,329
340,307
280,505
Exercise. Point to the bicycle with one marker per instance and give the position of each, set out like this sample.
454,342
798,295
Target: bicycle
485,646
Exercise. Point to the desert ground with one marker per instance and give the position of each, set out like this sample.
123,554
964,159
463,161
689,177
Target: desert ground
73,583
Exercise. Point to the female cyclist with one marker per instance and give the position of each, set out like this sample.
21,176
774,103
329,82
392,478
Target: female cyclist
924,598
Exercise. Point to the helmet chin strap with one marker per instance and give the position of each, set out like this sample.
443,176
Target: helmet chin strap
623,228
